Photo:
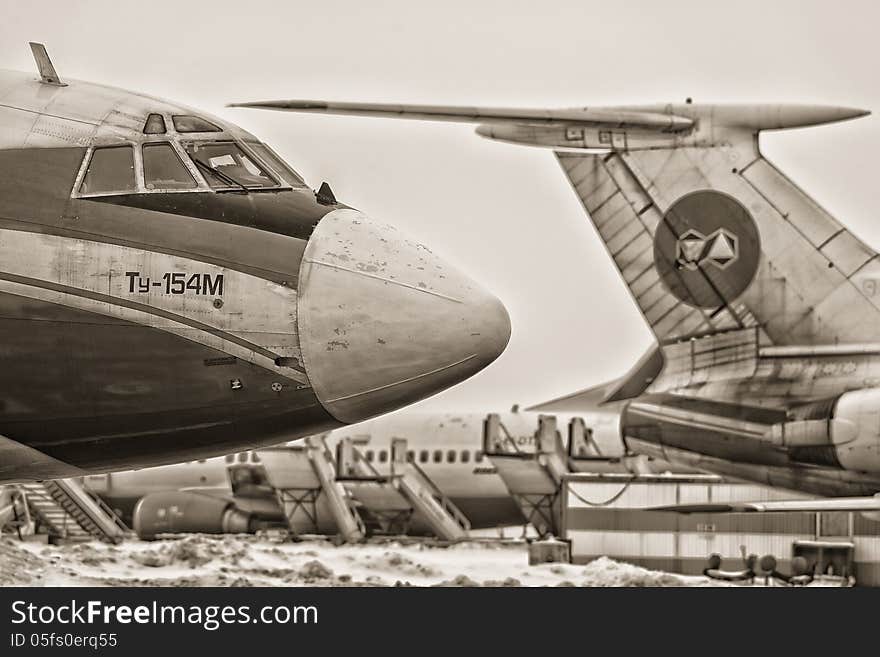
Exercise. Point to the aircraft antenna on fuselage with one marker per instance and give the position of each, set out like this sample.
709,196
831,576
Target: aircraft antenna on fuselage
44,65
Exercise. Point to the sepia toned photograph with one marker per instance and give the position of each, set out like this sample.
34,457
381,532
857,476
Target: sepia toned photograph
434,295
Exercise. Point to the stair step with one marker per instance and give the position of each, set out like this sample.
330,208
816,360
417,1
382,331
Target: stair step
67,511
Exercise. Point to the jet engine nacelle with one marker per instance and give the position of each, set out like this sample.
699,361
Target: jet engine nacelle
843,432
860,409
182,512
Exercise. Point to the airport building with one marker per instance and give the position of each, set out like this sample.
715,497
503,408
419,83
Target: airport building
607,515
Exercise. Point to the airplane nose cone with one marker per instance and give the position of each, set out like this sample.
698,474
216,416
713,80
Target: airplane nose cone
383,322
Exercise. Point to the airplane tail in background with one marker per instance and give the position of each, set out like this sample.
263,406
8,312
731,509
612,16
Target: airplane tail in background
707,234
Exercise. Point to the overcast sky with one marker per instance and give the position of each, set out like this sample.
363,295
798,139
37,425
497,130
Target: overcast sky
504,214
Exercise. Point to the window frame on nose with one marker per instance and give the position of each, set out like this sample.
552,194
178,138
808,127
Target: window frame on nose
283,177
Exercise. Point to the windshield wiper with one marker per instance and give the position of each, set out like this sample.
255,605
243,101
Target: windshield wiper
229,180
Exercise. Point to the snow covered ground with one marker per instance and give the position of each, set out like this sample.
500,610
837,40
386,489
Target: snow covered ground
202,560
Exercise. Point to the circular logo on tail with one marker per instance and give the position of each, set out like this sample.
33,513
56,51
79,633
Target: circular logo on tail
706,249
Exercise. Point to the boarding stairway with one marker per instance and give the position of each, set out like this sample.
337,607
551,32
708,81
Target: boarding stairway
392,502
442,516
383,508
533,478
68,513
304,479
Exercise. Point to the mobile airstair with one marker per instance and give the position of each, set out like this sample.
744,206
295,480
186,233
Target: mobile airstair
67,513
394,500
383,508
305,481
533,477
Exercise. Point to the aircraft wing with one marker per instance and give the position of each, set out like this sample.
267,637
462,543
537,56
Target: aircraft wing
820,504
580,116
596,398
588,399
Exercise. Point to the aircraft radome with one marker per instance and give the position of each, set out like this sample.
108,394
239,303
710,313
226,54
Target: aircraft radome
171,289
765,309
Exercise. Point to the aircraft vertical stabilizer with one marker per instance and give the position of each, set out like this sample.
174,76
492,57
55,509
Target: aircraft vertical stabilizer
709,236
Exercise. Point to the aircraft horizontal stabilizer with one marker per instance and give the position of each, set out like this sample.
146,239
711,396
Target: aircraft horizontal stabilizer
650,126
621,118
807,505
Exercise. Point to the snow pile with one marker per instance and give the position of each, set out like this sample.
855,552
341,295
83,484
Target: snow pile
192,551
202,560
395,562
18,567
607,572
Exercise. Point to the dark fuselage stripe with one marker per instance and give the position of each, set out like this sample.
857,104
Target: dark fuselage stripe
693,421
724,410
24,226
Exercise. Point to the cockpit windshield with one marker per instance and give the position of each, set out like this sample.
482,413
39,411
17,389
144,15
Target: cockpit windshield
225,165
160,160
274,160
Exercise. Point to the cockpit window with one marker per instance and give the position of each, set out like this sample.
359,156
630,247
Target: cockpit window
274,160
111,169
155,125
225,165
189,123
164,170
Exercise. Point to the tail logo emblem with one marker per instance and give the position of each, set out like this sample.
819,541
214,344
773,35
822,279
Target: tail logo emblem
707,249
694,250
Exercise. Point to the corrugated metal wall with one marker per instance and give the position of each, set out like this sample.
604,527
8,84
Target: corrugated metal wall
622,529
